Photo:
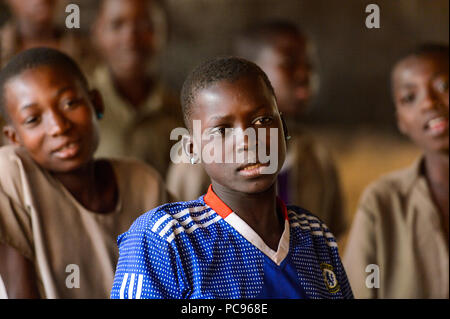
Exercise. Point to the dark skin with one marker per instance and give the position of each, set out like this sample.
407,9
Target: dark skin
124,36
286,63
420,86
244,103
18,274
53,116
35,22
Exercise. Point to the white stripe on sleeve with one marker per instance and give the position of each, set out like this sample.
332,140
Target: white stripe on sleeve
122,288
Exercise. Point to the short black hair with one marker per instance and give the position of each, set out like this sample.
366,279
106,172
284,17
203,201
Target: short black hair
249,43
223,68
33,58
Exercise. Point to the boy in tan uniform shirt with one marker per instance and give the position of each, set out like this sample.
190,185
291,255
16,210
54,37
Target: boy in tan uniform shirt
141,112
61,210
398,244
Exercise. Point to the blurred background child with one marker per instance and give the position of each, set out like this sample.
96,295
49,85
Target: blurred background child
141,111
401,225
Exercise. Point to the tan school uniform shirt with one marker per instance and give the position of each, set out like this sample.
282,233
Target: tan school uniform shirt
143,133
69,245
313,181
398,228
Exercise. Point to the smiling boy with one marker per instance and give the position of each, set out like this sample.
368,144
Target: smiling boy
238,240
61,210
141,111
401,225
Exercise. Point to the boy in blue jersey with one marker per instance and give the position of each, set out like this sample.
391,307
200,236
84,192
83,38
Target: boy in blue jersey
238,240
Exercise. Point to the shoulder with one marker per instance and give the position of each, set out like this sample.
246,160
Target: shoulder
13,160
134,170
169,220
307,222
395,184
305,145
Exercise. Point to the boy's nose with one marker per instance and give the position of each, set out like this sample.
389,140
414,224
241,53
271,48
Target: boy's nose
246,140
430,100
58,124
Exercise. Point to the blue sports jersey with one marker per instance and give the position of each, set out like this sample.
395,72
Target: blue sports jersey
202,249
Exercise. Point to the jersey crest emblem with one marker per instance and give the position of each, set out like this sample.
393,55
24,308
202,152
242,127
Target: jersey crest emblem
330,278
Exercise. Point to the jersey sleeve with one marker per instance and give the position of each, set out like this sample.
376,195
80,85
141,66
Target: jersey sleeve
335,258
344,283
148,268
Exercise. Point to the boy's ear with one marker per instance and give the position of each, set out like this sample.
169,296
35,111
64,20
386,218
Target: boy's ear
285,128
97,101
11,134
187,144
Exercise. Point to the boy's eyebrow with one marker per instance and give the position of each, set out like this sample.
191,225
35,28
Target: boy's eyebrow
26,106
219,118
58,93
63,89
406,86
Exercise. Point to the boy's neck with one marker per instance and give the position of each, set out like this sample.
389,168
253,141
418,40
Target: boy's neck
437,168
133,88
259,211
94,186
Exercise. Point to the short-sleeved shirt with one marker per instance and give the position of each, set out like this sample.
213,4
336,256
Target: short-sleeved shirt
397,247
142,133
309,179
201,249
69,245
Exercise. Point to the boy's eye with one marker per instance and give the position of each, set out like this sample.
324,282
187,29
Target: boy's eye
116,24
218,131
442,86
31,120
70,104
262,121
407,98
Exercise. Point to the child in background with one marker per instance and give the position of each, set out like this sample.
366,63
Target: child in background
309,177
141,112
33,24
398,244
60,210
239,240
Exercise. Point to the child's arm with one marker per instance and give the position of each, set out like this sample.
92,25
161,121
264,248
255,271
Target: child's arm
17,271
360,252
18,274
148,268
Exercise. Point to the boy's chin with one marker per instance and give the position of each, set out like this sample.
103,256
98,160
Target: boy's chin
64,167
257,186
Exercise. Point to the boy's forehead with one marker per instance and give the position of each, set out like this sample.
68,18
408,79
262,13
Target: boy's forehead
416,66
38,81
248,92
45,74
116,8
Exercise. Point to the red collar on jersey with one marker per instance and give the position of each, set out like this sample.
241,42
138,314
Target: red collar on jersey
213,201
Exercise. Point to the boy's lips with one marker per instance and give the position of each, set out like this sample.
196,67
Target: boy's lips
437,125
67,151
251,169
